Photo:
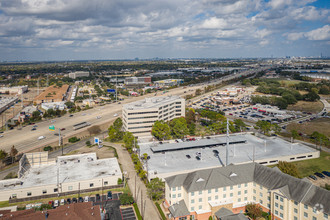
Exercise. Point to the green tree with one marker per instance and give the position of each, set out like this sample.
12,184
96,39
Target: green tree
239,125
190,116
129,140
118,124
179,127
294,134
126,199
161,130
264,126
275,128
112,132
70,105
320,138
311,96
3,154
288,168
198,92
253,211
155,189
13,153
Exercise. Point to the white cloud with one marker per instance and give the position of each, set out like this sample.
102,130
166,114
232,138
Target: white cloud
319,34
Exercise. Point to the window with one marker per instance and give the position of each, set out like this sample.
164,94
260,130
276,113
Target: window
179,195
260,201
200,200
254,184
105,183
70,187
231,187
174,196
192,209
209,198
29,193
239,193
245,198
200,207
173,189
239,186
179,187
192,194
254,191
216,197
239,200
245,191
224,196
192,201
295,218
254,198
209,191
295,210
325,216
14,196
306,214
200,192
44,191
314,210
281,199
260,194
260,187
55,190
306,206
276,197
224,189
276,204
246,185
216,190
268,205
281,215
296,203
91,184
231,194
268,198
281,207
276,212
314,218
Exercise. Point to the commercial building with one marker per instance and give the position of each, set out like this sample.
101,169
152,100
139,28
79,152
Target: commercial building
40,176
53,105
5,103
14,90
137,81
214,192
52,94
172,158
77,74
168,82
139,116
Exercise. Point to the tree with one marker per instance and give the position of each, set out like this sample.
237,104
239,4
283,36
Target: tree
126,199
13,153
3,154
253,211
129,140
294,134
190,116
276,128
320,138
311,96
156,188
179,127
161,130
239,125
112,133
94,130
198,92
70,104
264,126
288,168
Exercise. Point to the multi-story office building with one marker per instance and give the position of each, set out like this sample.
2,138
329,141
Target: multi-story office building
205,193
77,74
139,116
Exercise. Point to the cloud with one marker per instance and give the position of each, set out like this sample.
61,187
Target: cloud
319,34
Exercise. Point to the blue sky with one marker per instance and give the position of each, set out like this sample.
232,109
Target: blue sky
125,29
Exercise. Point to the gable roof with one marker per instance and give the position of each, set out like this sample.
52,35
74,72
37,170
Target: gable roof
226,214
179,209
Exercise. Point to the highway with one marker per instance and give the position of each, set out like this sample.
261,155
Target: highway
26,140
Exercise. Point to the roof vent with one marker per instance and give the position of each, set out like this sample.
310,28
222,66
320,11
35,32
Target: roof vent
232,175
200,180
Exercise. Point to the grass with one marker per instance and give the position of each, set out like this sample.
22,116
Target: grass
20,204
309,167
320,125
160,211
137,211
314,107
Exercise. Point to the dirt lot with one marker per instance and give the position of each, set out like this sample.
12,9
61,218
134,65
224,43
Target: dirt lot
104,152
320,125
314,107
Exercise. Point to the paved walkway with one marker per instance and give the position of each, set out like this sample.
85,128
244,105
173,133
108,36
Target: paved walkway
146,206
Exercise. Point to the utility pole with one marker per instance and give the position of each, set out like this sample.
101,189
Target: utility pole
116,88
227,145
38,86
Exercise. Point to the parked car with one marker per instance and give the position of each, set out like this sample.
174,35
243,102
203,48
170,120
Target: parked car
74,200
62,129
62,202
188,156
326,173
109,195
33,129
86,199
70,115
68,201
51,202
312,177
198,158
56,203
41,137
81,199
97,197
319,175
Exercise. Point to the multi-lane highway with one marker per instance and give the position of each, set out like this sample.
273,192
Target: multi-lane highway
26,140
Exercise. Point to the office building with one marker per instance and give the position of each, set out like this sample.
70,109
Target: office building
137,81
77,74
219,191
139,116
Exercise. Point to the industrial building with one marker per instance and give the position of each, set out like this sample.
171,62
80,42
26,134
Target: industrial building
52,94
168,82
137,81
75,75
40,176
225,191
172,158
139,116
14,90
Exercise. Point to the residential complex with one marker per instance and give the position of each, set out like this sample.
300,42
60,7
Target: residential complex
139,116
201,194
77,74
38,175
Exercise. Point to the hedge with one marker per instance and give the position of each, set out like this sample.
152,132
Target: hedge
137,211
160,211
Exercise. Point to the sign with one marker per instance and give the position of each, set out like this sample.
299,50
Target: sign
96,140
52,128
111,90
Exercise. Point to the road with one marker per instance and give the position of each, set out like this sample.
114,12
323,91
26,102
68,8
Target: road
26,140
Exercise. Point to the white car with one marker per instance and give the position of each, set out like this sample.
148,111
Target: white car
115,115
1,136
98,117
41,137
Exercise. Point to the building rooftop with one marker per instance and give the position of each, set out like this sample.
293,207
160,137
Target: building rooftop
153,102
52,93
70,169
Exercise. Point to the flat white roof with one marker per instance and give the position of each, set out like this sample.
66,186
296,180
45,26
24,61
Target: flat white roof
152,102
70,168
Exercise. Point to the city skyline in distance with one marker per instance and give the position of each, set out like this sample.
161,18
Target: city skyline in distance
115,30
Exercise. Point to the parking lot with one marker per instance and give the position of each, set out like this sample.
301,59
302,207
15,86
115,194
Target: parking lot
128,214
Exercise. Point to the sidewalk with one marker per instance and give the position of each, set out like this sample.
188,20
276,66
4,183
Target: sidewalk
139,191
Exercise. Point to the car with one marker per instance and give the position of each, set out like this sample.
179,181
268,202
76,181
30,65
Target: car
188,156
51,202
119,102
68,201
70,115
74,200
198,158
81,199
1,136
319,175
62,129
98,117
35,126
56,203
326,173
216,151
41,137
109,195
62,202
86,199
56,134
115,115
33,129
97,197
312,177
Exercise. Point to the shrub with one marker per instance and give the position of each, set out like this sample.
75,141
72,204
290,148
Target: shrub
88,143
160,211
137,211
48,148
126,199
119,181
74,139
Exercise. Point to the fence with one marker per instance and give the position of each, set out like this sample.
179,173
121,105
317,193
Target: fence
15,200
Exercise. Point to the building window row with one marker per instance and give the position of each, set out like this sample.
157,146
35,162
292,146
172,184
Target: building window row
143,117
141,113
143,122
140,127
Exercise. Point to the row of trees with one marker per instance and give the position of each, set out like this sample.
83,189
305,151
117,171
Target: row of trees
8,158
266,127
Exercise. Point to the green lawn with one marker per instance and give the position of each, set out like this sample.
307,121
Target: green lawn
308,167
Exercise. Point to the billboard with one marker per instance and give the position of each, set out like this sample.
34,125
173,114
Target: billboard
111,90
52,128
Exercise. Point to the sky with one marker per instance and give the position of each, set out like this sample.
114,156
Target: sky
45,30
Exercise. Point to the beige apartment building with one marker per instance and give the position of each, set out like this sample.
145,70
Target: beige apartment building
213,192
139,116
40,176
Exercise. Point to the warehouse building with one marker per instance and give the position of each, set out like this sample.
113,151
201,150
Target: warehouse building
137,81
168,82
139,116
172,158
40,176
225,191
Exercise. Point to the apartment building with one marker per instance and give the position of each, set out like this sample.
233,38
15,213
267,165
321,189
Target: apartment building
205,193
139,116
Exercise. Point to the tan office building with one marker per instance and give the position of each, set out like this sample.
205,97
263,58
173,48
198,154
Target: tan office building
139,116
219,191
